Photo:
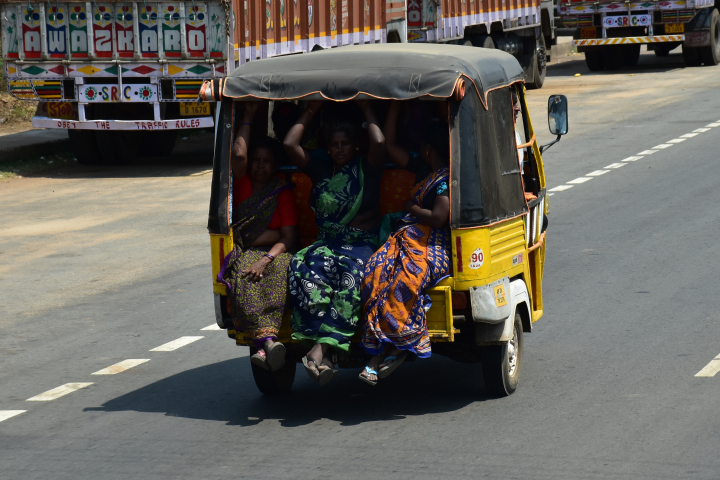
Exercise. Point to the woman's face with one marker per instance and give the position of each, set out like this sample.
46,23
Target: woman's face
261,167
341,148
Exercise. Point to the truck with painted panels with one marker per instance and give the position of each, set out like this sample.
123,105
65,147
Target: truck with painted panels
123,77
523,28
610,33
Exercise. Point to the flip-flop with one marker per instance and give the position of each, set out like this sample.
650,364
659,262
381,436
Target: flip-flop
275,356
326,374
260,360
313,372
368,371
395,361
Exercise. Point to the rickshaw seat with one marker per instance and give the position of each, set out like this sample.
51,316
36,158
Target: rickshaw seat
394,190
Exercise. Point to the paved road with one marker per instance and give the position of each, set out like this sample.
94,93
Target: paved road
608,387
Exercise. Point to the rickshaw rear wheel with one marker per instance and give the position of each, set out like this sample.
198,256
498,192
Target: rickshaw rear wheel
277,382
502,364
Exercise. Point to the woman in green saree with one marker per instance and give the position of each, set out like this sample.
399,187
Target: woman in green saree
325,278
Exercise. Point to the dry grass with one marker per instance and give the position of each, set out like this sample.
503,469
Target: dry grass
14,113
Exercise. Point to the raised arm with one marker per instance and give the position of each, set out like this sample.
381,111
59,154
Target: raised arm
438,217
300,156
376,153
242,140
398,155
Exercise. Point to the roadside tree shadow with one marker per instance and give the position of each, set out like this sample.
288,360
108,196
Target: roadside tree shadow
648,63
225,391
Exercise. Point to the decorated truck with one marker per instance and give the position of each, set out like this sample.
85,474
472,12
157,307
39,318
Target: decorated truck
610,33
123,77
523,28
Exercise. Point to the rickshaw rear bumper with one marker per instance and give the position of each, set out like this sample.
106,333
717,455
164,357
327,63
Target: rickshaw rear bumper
494,309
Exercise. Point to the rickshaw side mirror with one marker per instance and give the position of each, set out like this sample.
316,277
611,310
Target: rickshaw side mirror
557,118
558,114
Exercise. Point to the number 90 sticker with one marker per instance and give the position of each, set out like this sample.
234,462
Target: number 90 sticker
477,258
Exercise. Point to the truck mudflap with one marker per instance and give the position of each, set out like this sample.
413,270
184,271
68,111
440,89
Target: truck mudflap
592,42
180,124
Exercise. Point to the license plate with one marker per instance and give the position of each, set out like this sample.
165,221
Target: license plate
588,33
674,27
192,109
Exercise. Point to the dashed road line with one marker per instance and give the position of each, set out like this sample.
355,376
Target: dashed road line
662,146
616,165
689,135
712,125
561,188
214,326
634,158
701,130
597,173
122,366
676,140
647,152
175,344
710,369
5,414
58,392
580,180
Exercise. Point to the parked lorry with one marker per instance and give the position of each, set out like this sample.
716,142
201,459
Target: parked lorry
610,33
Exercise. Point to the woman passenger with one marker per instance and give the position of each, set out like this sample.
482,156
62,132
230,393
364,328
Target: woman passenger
413,259
325,277
264,228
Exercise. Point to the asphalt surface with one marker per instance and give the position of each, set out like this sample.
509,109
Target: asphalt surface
608,387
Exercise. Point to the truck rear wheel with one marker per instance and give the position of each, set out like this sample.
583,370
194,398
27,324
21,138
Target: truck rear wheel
613,57
483,41
710,55
691,56
84,146
539,64
277,382
632,55
501,364
160,143
118,147
594,61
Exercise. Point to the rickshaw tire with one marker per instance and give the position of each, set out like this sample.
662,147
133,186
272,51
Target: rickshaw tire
85,147
594,61
277,382
499,382
691,56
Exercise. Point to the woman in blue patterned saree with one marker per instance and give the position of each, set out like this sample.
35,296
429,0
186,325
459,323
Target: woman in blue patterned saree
324,278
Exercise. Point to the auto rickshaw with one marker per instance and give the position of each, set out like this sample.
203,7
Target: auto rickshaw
498,210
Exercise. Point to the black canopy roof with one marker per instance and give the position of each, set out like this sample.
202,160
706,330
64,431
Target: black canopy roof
389,71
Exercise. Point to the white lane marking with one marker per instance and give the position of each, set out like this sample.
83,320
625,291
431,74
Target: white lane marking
596,173
633,158
616,165
58,392
550,194
689,135
710,369
122,366
5,414
715,124
662,145
175,344
676,140
214,326
701,130
561,188
580,180
647,152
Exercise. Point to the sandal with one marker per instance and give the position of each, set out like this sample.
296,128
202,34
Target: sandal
314,372
260,359
395,361
326,374
365,378
275,356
